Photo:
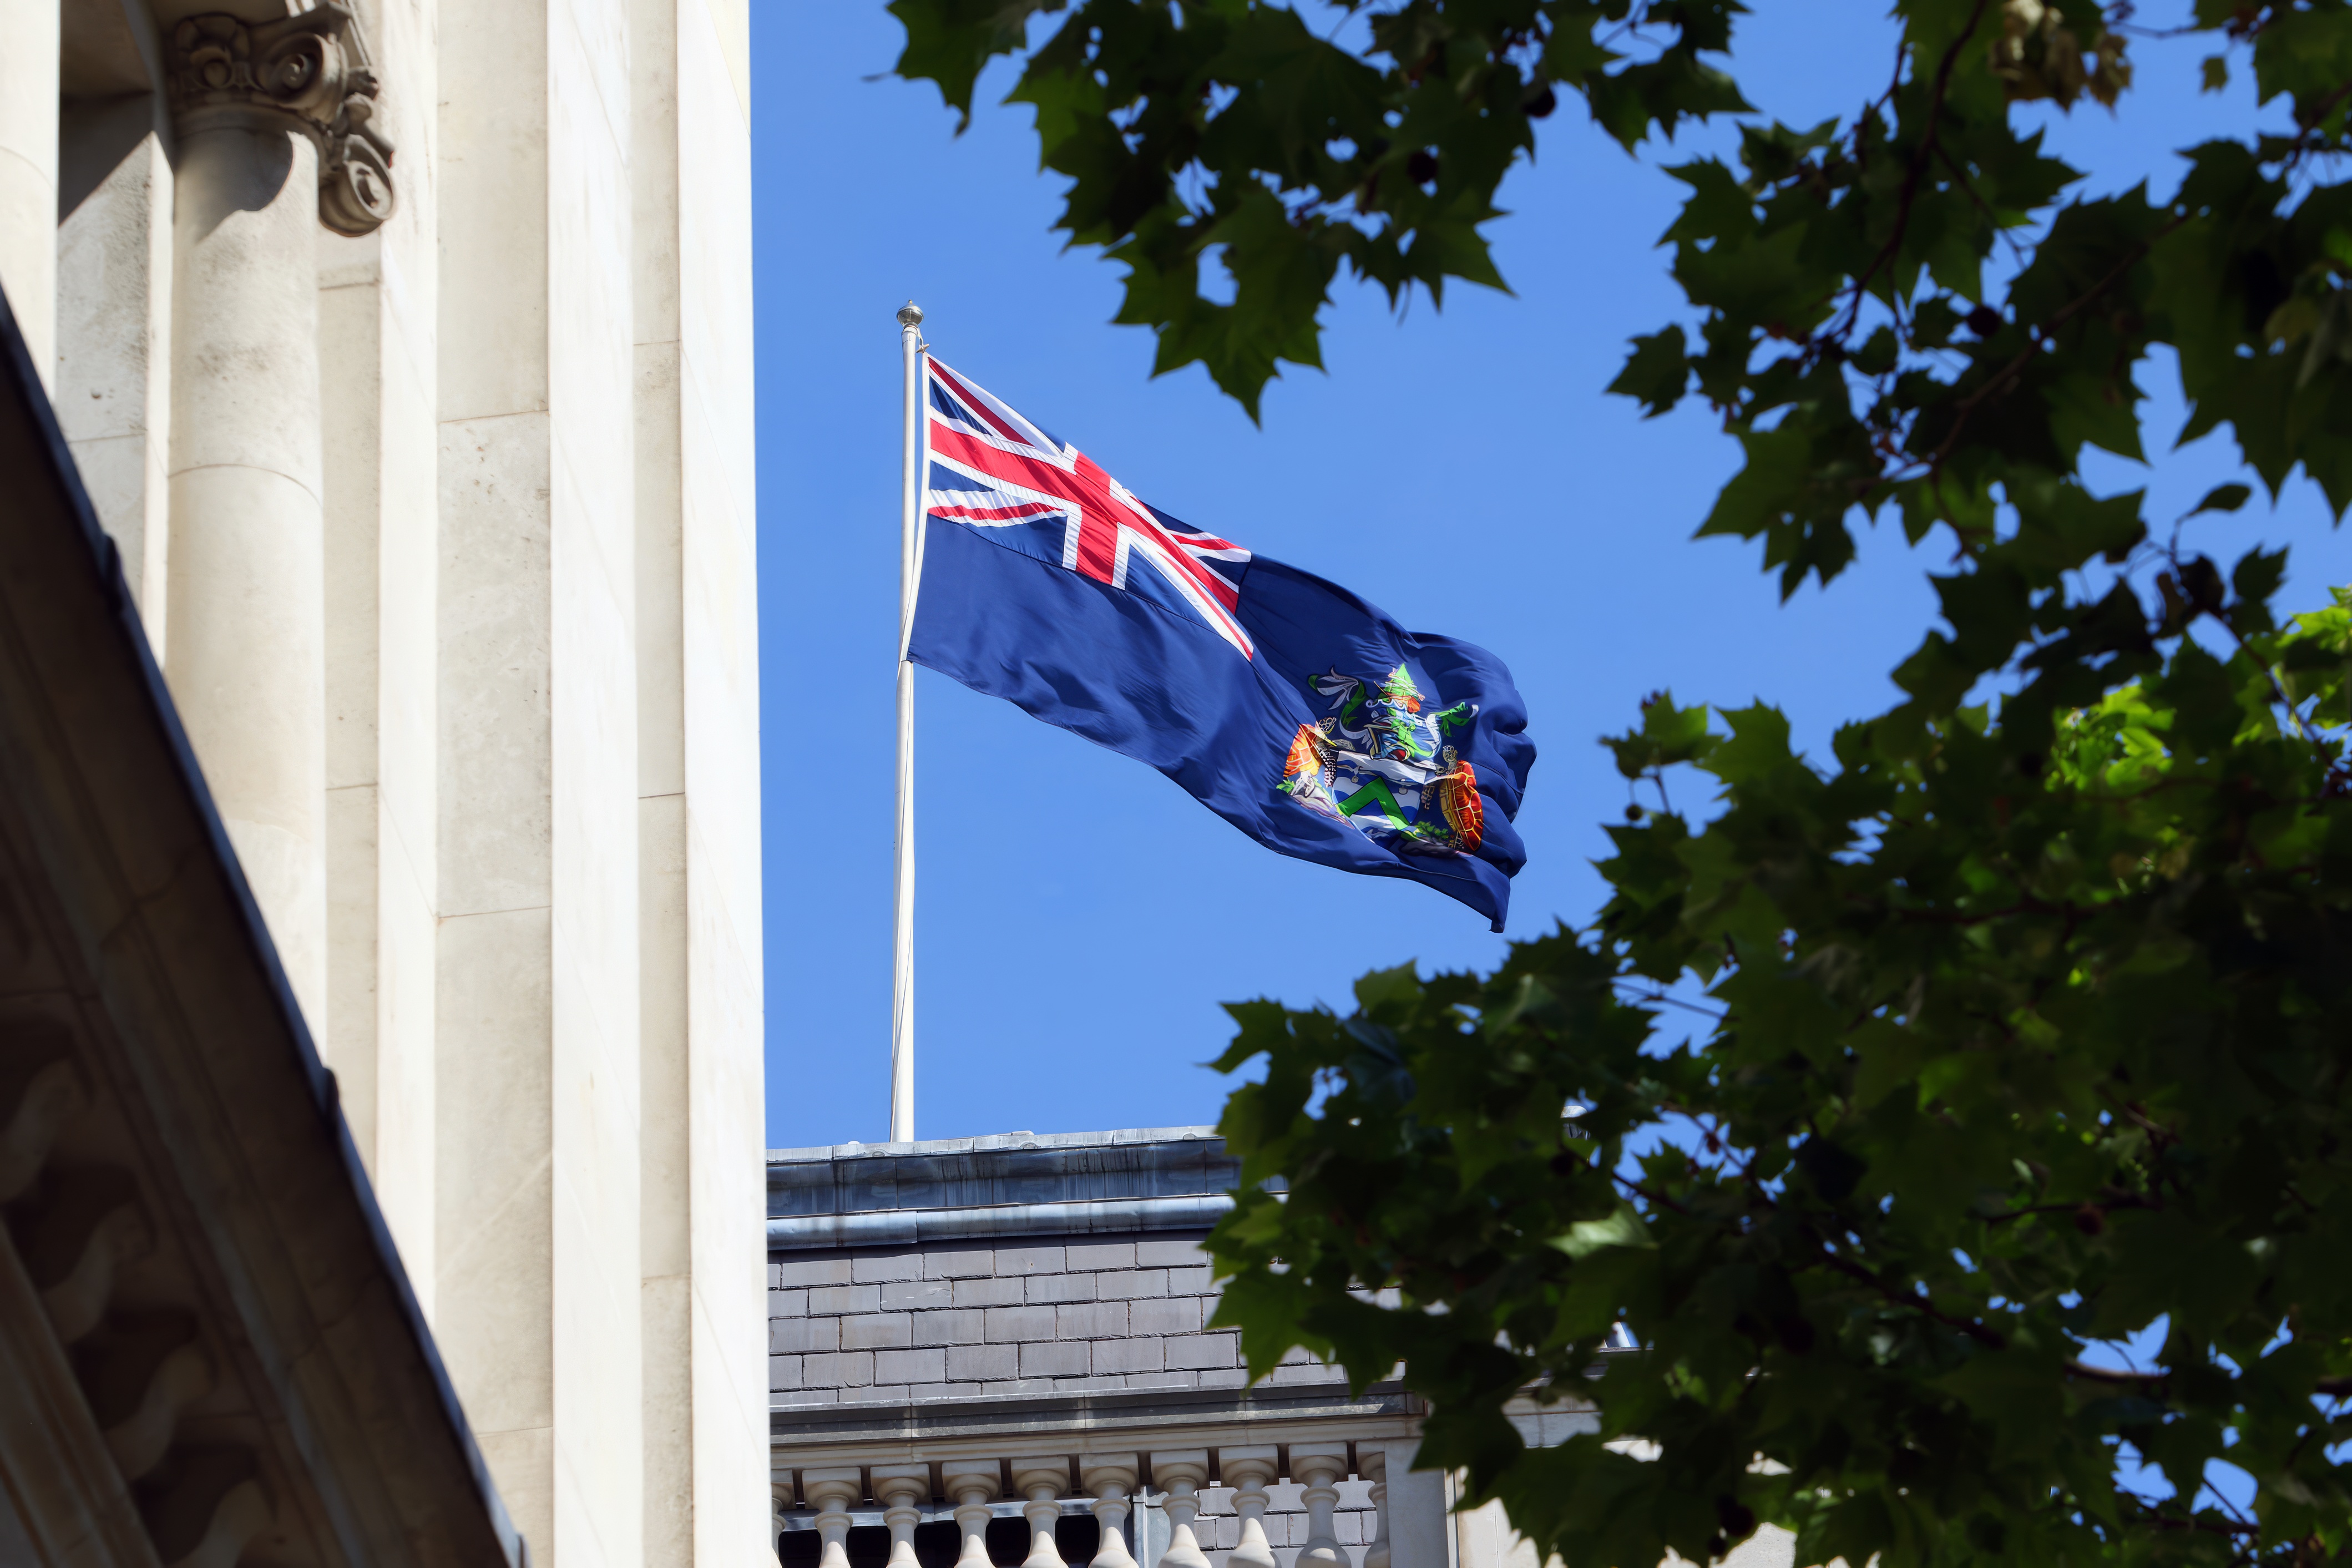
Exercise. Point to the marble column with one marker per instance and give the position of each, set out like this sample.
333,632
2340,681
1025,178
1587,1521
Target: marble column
376,330
254,106
28,174
114,330
1183,1473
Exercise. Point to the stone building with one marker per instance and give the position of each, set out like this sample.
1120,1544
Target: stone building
975,1341
209,1350
404,353
998,1350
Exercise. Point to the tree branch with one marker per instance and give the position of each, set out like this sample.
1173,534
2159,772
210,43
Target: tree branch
2333,1387
1913,175
2034,344
1968,1326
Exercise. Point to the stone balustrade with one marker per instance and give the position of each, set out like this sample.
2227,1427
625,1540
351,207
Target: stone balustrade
1302,1504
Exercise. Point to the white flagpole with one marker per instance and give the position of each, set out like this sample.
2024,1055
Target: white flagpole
902,956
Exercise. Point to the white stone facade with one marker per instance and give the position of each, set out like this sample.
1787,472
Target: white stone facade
404,349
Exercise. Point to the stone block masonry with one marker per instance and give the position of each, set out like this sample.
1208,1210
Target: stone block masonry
1025,1317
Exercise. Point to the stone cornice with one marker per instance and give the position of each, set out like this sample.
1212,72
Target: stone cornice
1153,1163
918,1226
309,72
1162,1418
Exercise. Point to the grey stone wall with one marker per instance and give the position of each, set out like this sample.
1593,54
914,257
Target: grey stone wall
1003,1316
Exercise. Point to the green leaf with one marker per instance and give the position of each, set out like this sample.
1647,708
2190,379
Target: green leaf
1587,1236
1654,373
2222,498
1669,736
951,42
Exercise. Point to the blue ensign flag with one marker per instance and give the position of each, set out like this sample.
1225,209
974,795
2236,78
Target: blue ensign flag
1299,713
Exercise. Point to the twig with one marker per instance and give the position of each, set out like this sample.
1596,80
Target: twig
2278,688
2209,1526
2128,1202
1913,175
2234,1511
2027,905
1968,1326
1960,178
1968,405
1678,1002
2334,1387
2320,111
1638,1190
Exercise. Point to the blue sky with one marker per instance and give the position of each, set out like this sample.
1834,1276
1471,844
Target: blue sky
1079,918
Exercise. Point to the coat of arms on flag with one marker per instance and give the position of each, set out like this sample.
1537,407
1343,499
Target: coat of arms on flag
1301,714
1384,764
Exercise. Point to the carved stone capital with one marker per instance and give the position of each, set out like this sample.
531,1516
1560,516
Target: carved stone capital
309,73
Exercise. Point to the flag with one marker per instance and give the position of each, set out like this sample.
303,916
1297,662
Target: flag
1298,712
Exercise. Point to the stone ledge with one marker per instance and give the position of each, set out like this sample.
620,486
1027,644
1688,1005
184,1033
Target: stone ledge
935,1147
914,1226
853,1194
931,1423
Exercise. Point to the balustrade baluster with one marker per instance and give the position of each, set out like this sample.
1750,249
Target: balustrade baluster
833,1493
1043,1482
901,1488
1110,1478
1318,1468
974,1484
1247,1471
1372,1464
1180,1474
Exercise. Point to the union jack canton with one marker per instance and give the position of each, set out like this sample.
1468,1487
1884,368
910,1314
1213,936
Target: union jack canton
992,469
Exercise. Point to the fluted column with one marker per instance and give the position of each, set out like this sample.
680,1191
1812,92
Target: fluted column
832,1493
256,107
1373,1463
1182,1472
1317,1468
1248,1471
1109,1479
1043,1482
28,174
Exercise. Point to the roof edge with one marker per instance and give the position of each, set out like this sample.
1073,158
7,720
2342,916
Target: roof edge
1117,1138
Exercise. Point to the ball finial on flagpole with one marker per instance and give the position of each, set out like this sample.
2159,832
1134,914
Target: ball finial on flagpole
910,314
